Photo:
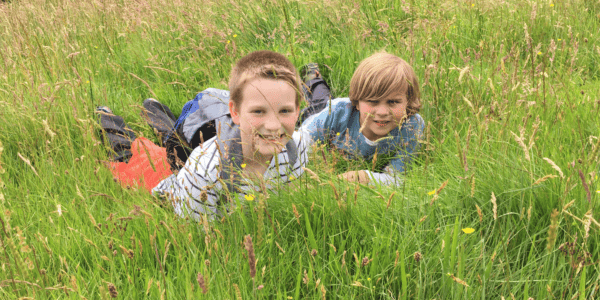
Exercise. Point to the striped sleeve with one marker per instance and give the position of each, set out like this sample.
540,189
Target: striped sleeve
194,190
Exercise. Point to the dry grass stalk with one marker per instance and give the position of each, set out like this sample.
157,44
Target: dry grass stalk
149,286
335,192
458,280
480,213
344,259
202,283
555,167
238,294
437,192
418,256
423,219
568,205
494,206
112,290
397,257
520,141
586,224
374,160
585,186
323,292
279,247
296,214
28,162
305,278
251,259
544,179
312,174
473,185
260,218
365,261
552,230
356,192
389,202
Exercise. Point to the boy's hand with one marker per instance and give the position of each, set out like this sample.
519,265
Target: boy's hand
356,176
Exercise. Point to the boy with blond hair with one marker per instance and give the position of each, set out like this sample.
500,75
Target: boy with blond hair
255,141
379,118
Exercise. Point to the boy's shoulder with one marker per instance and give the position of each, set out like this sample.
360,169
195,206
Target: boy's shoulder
205,157
338,111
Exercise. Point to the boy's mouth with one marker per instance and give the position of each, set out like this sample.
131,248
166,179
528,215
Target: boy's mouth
271,137
381,123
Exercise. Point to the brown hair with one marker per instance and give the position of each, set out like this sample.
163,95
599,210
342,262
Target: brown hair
382,74
262,64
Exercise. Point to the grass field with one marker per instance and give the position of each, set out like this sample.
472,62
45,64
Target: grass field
511,98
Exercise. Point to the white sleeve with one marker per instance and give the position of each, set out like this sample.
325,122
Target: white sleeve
193,191
390,177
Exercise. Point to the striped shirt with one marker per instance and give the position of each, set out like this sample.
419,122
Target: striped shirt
212,172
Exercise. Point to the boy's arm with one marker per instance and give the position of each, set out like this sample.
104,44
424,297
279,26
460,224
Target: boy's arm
411,133
318,125
190,190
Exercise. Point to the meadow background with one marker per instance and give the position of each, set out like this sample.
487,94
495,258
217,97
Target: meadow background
511,98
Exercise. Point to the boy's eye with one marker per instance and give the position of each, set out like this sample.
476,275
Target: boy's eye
285,111
393,102
258,111
372,101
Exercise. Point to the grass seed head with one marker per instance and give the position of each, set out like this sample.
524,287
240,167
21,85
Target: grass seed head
494,206
112,290
202,283
418,256
251,259
479,213
552,230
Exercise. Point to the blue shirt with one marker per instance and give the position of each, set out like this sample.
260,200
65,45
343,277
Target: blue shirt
340,116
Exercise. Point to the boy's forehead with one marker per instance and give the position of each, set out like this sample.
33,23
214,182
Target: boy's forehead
261,91
396,94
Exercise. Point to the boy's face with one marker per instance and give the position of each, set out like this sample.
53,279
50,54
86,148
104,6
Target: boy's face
379,117
266,116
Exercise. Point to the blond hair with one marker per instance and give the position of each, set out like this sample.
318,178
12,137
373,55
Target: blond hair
262,64
382,74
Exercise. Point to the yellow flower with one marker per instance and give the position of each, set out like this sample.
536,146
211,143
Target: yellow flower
431,193
551,4
472,5
368,279
337,134
539,53
235,35
249,197
598,191
169,41
292,178
228,41
243,166
87,81
468,230
559,40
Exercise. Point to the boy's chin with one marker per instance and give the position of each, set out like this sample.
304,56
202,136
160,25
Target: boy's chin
266,148
381,131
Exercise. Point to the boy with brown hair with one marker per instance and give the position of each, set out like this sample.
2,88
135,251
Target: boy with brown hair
256,136
380,116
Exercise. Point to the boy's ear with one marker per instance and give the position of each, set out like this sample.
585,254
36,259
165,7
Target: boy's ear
235,114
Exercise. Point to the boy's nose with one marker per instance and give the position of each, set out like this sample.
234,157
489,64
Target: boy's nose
382,110
272,124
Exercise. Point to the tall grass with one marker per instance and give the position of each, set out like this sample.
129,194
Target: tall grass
511,100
